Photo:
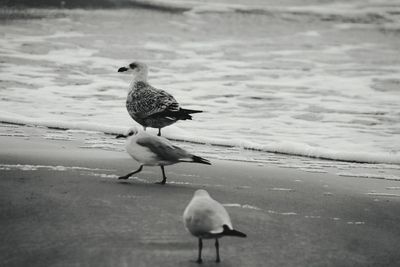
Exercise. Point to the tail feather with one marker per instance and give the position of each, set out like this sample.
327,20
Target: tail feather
181,114
232,232
200,160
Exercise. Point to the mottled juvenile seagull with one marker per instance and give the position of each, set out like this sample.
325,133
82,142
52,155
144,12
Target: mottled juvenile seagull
149,106
150,150
206,218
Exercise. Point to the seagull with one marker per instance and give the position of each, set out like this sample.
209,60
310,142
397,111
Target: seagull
149,106
150,150
206,218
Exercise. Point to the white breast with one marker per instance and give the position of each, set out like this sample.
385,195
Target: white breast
141,154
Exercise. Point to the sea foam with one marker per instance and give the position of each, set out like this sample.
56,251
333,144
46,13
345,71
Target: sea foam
177,134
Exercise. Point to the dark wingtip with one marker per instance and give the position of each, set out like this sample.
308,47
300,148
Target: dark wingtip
240,234
120,136
190,111
122,69
198,159
232,232
195,111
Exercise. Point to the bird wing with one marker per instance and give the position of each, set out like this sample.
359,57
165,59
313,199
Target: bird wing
162,148
149,100
221,217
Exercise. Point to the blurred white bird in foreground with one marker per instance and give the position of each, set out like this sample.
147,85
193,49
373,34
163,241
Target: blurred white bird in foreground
149,106
150,150
206,218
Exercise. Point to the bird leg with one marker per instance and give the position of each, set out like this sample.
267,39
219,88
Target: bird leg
159,132
199,260
217,250
164,180
131,173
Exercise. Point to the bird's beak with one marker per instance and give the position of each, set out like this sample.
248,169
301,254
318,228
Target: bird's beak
121,136
122,69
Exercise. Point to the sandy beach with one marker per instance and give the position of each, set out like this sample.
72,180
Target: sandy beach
62,205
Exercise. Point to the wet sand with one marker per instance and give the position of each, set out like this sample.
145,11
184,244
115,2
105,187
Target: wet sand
64,216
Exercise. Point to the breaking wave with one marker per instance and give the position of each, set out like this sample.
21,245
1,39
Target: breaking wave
176,134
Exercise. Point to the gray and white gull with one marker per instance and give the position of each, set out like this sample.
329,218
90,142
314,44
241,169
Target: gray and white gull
150,150
149,106
205,218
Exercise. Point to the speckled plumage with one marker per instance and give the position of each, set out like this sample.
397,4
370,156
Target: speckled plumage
149,106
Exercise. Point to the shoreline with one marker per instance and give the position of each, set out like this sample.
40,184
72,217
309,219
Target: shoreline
58,215
283,149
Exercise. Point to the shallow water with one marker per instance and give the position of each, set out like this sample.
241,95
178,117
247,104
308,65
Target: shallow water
316,80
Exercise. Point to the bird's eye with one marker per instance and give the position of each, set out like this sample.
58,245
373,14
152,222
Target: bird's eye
132,65
130,133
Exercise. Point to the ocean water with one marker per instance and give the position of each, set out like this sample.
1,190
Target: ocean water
314,79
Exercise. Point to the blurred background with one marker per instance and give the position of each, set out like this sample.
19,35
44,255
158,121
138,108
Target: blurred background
310,78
